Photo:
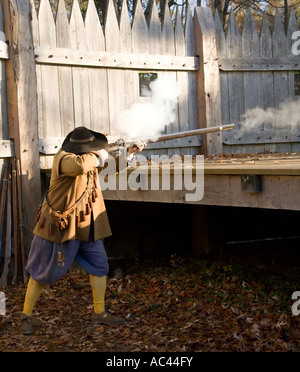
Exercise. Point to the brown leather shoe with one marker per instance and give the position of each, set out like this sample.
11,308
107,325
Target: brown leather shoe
107,318
26,326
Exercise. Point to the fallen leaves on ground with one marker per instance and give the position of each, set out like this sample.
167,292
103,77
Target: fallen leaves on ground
178,305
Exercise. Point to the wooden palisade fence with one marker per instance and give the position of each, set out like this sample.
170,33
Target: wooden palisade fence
87,76
257,70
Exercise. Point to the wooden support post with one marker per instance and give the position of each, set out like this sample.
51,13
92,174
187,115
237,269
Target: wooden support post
207,231
22,104
208,79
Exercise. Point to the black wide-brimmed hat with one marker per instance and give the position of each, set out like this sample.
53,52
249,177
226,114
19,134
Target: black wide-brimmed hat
82,140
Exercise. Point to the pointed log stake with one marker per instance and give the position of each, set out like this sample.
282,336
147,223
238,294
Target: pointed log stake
7,247
15,222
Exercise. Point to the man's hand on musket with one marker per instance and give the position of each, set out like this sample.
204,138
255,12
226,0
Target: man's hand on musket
102,157
137,146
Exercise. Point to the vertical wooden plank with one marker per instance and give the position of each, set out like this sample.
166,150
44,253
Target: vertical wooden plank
222,51
47,81
140,37
267,80
208,78
36,43
182,81
235,81
64,72
140,31
281,85
48,85
3,88
201,102
155,47
80,75
126,47
192,83
114,77
293,27
49,123
168,48
45,162
22,109
252,80
97,77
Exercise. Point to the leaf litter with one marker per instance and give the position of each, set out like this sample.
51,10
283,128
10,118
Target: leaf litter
182,304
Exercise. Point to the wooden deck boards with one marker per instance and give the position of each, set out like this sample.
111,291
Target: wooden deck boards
275,164
280,179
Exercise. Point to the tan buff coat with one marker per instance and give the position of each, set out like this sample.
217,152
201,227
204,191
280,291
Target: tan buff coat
69,179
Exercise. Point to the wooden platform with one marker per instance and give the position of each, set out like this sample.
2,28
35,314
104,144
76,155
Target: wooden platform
275,164
274,183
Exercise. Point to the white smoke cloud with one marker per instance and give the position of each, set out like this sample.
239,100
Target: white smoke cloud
146,120
286,116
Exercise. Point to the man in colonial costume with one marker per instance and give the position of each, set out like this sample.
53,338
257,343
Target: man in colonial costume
71,224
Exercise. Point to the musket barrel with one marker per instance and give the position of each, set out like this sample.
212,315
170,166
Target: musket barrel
165,137
194,132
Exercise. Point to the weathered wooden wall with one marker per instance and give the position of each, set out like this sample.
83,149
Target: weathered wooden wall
88,75
257,70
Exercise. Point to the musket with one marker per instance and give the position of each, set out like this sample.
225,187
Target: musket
15,222
171,136
4,182
20,214
7,244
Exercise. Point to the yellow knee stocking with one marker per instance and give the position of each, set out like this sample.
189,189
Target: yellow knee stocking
98,284
34,289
